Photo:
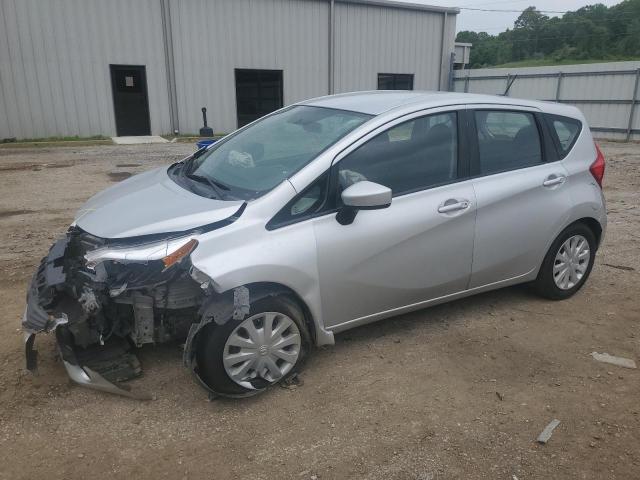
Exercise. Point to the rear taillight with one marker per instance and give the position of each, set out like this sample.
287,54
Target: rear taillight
597,167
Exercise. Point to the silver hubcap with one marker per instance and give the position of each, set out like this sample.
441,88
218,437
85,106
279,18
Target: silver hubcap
571,262
265,345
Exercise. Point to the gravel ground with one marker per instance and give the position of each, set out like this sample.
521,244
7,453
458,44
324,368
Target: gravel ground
461,390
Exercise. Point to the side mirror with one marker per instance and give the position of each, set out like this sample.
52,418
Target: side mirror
362,196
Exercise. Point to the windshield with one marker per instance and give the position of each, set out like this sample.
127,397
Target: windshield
258,158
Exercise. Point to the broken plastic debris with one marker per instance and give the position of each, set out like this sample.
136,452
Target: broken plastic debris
548,430
619,361
620,267
86,377
240,303
292,382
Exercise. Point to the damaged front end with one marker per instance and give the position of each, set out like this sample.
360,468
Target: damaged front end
104,296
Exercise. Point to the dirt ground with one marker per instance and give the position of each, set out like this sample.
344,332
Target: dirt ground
457,391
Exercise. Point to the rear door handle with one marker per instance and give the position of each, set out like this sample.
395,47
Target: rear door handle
453,205
552,180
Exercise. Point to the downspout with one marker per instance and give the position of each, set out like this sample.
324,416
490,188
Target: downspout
450,77
331,45
442,52
167,38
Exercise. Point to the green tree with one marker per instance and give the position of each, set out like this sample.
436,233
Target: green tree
527,31
592,32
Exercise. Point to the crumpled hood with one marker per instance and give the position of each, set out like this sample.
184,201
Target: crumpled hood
149,203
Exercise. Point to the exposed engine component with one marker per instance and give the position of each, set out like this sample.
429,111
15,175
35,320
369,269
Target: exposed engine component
143,330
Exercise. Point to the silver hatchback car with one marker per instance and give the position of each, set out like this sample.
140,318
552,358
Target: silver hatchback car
320,217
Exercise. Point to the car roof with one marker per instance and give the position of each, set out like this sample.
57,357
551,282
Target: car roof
377,102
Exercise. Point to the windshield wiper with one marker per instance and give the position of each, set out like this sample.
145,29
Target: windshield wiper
187,163
216,186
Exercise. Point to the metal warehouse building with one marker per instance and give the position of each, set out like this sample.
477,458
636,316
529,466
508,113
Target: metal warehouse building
138,67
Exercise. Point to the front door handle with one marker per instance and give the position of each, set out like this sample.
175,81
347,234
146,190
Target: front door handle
552,180
453,205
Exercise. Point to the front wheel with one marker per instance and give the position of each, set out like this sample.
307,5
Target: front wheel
244,357
567,264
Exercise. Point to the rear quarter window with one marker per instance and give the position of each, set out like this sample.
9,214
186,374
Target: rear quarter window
564,131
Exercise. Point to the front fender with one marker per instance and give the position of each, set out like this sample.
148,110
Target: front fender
247,254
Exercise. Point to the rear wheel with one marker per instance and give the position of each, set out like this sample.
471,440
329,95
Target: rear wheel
244,357
568,263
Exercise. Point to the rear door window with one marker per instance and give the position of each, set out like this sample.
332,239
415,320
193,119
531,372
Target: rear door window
565,131
507,140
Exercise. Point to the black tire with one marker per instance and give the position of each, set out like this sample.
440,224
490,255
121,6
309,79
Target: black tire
544,283
212,339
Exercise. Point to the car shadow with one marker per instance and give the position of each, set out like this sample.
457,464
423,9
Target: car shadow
443,315
432,319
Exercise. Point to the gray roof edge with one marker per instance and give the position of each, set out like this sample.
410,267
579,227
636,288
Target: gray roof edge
404,5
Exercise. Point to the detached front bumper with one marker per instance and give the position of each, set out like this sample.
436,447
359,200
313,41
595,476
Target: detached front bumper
48,278
85,376
37,318
80,374
44,315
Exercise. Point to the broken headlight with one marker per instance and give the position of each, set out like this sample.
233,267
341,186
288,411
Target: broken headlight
170,252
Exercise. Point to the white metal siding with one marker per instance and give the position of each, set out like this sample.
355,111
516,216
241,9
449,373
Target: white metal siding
212,39
372,40
462,51
54,64
593,86
55,56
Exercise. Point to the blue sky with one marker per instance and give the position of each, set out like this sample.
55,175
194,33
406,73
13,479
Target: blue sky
495,22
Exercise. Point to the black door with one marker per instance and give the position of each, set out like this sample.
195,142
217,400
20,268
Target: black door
258,92
130,102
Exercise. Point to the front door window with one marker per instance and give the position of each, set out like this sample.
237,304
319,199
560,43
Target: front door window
414,155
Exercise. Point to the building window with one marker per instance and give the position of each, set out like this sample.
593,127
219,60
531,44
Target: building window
258,92
395,81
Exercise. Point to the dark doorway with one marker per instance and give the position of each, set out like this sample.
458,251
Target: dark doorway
258,92
130,102
395,81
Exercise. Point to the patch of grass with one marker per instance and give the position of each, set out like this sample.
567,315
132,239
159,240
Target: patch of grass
74,138
189,137
171,136
55,141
